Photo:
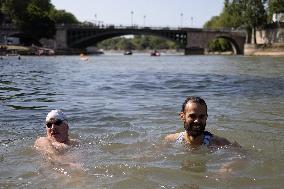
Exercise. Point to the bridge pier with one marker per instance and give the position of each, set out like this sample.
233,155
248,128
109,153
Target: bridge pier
61,43
61,38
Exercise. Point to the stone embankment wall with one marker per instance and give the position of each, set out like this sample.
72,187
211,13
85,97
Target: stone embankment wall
269,36
275,49
270,42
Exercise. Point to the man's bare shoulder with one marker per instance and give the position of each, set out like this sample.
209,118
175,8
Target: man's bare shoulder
41,141
43,144
171,137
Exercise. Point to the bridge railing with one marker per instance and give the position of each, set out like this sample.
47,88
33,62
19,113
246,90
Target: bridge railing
101,26
136,27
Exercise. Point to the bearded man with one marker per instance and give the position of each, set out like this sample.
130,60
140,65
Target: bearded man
194,116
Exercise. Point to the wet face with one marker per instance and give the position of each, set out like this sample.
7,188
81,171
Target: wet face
194,118
57,130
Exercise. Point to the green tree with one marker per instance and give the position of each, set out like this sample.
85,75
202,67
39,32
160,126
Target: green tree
63,17
275,7
144,43
213,23
254,16
228,18
32,17
125,44
1,12
219,45
138,42
246,14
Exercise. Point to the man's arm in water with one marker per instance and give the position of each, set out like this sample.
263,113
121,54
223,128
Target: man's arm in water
171,137
220,141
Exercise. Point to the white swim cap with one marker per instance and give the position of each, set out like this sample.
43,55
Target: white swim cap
56,115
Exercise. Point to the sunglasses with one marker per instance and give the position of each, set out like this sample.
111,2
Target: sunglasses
57,122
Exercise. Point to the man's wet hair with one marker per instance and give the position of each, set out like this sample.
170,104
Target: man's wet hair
194,99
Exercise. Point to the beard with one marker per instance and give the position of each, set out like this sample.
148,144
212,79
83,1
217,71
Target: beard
194,130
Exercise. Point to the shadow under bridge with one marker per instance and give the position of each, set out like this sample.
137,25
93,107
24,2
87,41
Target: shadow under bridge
84,37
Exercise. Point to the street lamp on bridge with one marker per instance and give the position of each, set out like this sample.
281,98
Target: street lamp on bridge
95,19
144,20
132,18
191,18
181,19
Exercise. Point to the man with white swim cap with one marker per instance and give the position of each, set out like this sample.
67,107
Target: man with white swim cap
194,116
57,128
57,141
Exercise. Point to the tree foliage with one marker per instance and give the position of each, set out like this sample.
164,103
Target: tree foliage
254,14
228,18
241,14
32,17
137,43
63,17
37,18
276,6
1,13
219,45
213,23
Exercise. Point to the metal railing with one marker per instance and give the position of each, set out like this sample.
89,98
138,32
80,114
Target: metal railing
136,27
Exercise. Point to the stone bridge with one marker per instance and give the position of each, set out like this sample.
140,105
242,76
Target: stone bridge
193,40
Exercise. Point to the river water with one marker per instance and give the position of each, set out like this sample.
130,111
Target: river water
120,108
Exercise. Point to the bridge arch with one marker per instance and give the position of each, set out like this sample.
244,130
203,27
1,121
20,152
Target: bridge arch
193,40
233,43
92,40
83,39
199,39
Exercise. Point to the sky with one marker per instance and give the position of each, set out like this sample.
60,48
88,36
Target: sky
160,13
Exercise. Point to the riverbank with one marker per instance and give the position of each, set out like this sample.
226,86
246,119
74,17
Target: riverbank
24,50
163,52
275,49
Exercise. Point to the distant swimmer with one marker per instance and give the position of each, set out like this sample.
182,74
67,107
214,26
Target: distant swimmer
84,57
57,138
194,116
